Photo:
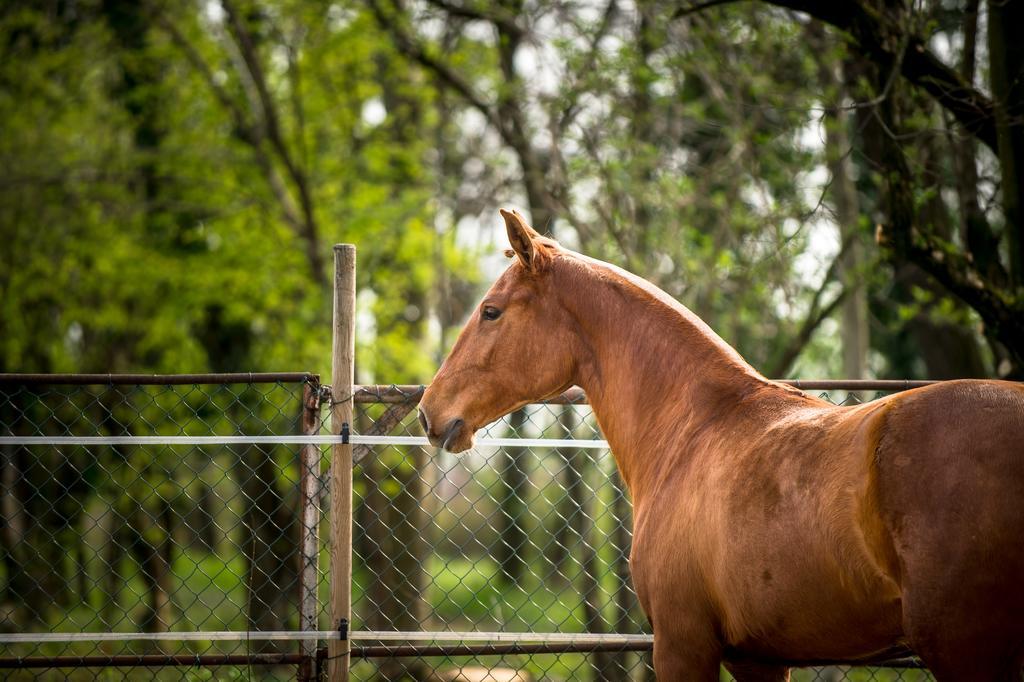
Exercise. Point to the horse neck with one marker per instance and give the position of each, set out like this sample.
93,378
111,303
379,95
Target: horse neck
654,373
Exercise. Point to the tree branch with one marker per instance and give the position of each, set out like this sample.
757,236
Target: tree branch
254,137
506,116
1003,315
810,325
571,107
699,7
816,314
1001,310
879,41
243,128
492,14
309,229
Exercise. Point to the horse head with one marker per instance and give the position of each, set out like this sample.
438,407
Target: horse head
518,346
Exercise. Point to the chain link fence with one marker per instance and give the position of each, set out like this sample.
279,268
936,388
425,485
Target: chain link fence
207,538
132,538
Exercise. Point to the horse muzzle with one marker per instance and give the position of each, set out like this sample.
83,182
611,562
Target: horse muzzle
451,437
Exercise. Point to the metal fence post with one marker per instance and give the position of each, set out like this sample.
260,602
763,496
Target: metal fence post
309,515
343,357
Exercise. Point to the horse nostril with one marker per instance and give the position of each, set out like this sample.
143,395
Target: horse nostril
424,423
453,430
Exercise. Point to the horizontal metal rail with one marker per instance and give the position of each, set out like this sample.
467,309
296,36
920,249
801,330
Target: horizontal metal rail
150,660
159,379
486,649
888,385
358,651
362,651
172,636
398,393
393,393
539,637
292,440
306,635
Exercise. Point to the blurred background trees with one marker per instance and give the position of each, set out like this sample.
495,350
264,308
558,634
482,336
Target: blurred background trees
173,174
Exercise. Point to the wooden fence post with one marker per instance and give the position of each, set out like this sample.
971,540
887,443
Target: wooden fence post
343,358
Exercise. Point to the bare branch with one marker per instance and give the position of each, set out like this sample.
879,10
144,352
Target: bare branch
492,14
309,230
699,7
904,240
254,136
243,128
571,108
816,314
881,42
385,424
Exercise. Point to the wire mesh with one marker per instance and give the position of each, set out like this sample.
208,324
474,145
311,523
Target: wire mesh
148,538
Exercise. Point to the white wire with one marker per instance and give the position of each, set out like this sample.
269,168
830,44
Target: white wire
355,635
293,440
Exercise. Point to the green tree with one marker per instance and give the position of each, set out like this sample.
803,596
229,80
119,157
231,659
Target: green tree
980,262
173,175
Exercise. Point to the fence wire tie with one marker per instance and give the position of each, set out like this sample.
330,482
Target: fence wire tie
343,627
344,437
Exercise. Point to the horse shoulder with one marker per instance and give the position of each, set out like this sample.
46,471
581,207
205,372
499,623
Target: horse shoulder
802,529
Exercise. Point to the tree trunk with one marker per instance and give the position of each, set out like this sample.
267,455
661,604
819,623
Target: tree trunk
118,535
513,482
269,548
590,590
616,666
568,510
948,350
626,601
206,516
854,309
976,234
13,528
1006,61
151,547
402,575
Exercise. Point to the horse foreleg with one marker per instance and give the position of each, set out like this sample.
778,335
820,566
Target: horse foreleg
752,672
680,660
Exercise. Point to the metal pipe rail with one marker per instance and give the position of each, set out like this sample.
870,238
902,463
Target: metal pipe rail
386,393
354,439
158,379
398,393
297,635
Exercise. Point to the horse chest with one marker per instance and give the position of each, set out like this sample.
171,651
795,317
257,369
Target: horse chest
768,569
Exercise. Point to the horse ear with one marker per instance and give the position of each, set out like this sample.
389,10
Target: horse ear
520,236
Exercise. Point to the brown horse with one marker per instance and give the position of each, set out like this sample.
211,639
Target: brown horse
769,525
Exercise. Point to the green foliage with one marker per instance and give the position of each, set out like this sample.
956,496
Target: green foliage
143,232
700,164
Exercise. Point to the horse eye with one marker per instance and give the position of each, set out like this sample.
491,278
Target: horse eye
491,313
